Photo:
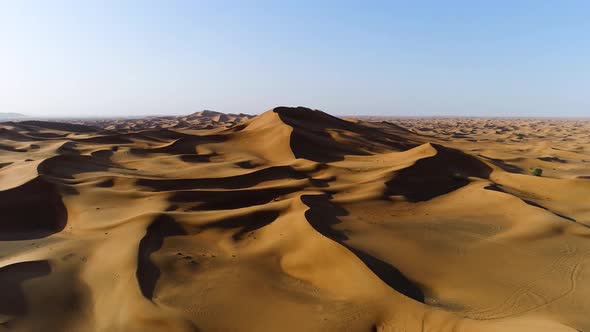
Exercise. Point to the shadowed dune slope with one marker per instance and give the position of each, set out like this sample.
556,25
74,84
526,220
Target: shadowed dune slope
32,210
294,220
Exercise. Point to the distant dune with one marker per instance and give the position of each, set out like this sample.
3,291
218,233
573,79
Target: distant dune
198,120
294,220
10,116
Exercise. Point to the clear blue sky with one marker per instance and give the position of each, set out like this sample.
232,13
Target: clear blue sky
482,58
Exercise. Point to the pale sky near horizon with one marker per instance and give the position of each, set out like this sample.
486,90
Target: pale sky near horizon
398,58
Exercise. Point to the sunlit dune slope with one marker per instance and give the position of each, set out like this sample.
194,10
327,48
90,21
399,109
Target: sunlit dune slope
293,220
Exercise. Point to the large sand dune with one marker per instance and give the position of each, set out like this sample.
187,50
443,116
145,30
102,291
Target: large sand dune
294,220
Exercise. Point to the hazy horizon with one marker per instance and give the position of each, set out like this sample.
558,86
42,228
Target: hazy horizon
428,58
57,117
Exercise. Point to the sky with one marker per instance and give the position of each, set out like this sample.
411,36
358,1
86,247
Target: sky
396,58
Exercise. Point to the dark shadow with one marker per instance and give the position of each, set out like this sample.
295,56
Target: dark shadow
108,183
544,208
197,158
30,211
323,214
24,132
227,200
390,275
10,148
553,159
245,164
59,126
103,154
13,134
238,127
68,148
66,166
495,187
245,224
13,301
39,135
147,272
505,166
440,174
311,140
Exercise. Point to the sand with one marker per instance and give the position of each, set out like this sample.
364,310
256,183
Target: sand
294,220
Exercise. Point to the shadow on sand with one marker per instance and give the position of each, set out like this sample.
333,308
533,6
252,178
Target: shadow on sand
323,214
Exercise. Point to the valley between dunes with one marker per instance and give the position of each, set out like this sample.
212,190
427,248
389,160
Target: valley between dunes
295,220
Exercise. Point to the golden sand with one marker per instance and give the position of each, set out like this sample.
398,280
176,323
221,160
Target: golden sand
295,220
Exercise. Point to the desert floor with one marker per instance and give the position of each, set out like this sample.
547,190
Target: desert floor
295,220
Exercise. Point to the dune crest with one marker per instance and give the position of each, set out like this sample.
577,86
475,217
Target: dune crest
294,220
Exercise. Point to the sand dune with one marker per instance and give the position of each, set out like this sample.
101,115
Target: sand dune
294,220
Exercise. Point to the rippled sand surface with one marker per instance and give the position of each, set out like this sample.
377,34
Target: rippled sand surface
295,220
